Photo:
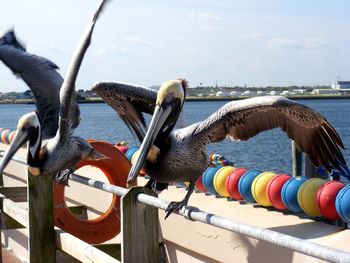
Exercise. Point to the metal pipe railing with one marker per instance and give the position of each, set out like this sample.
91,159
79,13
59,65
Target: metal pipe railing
195,214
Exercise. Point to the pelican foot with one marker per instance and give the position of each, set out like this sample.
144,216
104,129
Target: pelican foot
174,206
63,176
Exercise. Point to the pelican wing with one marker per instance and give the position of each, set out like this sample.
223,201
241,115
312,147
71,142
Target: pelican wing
129,102
67,92
41,75
241,120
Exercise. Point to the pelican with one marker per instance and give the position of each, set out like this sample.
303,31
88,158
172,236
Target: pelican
51,146
169,154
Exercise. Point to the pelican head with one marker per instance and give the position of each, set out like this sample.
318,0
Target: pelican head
28,129
170,99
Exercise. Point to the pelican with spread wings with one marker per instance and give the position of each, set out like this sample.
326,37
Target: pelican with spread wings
170,154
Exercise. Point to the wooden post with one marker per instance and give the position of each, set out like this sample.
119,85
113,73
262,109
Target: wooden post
41,226
297,157
140,227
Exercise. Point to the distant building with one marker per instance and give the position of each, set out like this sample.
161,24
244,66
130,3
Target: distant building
222,94
274,92
325,92
261,92
341,84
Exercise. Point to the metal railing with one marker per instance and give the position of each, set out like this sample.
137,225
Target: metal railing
195,214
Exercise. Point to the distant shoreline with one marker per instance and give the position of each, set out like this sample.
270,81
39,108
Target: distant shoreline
304,97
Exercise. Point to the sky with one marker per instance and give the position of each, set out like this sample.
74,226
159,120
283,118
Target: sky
228,42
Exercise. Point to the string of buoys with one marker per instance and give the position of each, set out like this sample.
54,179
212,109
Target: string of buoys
314,196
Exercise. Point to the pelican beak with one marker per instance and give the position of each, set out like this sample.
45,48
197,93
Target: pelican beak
22,137
159,117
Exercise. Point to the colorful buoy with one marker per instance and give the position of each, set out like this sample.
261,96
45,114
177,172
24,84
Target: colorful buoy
4,134
199,185
274,188
289,193
325,199
12,136
259,188
220,179
307,196
342,203
122,146
245,183
131,152
231,183
208,181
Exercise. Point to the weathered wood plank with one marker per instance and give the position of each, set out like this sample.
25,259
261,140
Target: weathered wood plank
15,210
17,194
41,225
81,250
140,227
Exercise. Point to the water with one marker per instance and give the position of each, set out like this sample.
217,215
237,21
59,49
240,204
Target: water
269,150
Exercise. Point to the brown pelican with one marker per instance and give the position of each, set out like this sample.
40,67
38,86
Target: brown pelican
175,155
52,148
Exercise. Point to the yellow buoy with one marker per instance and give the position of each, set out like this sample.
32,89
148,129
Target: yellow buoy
220,179
258,188
307,196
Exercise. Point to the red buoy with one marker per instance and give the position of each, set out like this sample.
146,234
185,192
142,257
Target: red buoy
200,186
231,183
325,199
273,190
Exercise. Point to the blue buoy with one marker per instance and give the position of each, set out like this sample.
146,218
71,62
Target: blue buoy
131,152
245,183
289,193
208,179
342,203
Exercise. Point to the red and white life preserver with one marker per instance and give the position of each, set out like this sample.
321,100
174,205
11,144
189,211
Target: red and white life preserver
106,226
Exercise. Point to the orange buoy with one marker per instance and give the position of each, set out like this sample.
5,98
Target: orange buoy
107,225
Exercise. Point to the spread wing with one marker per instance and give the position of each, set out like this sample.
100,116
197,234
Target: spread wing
130,102
241,120
41,75
67,92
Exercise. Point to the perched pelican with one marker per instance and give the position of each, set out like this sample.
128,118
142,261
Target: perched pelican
52,148
175,155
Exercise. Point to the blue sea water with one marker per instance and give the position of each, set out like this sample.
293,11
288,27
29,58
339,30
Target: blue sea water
269,150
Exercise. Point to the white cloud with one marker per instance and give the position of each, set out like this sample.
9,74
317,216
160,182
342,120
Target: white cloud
205,17
253,35
307,43
211,28
111,48
141,41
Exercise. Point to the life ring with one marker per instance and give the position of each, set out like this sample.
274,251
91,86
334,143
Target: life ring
107,225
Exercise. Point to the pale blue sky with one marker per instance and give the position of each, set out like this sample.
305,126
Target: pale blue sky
236,42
